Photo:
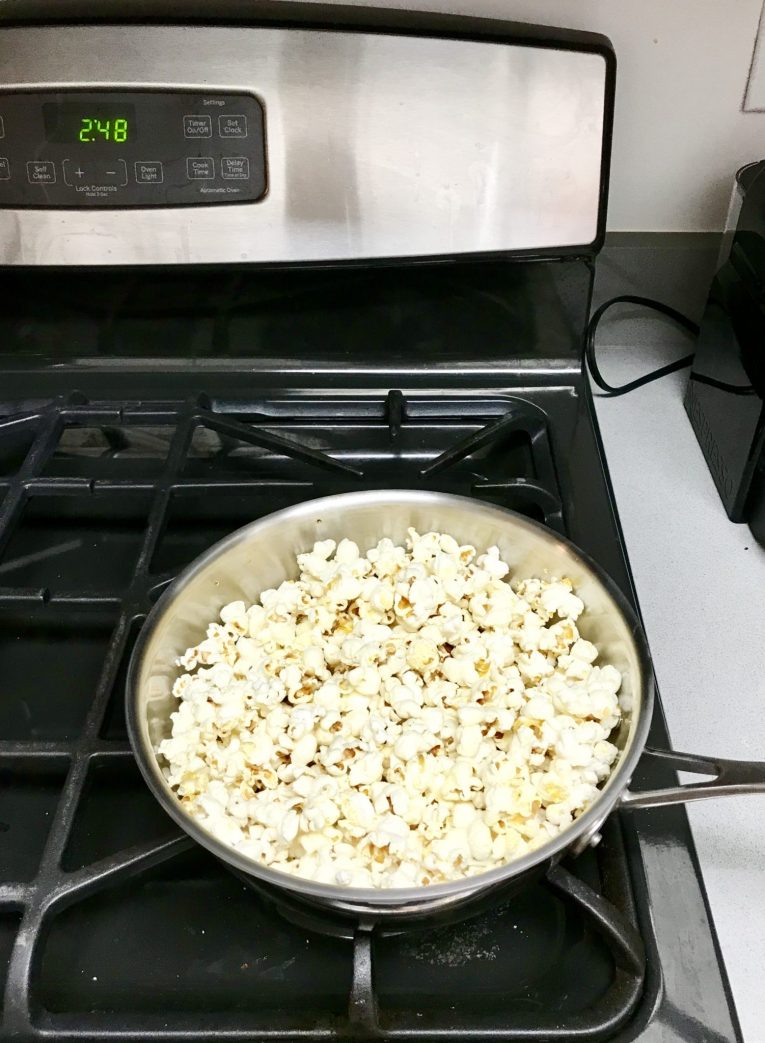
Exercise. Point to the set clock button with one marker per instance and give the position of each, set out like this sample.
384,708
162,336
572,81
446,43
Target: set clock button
200,168
235,168
41,172
232,126
197,126
5,169
149,172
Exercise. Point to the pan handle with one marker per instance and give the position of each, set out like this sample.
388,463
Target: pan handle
730,778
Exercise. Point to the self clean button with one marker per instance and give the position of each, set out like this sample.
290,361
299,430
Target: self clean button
41,172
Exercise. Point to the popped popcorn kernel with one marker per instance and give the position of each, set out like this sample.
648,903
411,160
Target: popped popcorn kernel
395,718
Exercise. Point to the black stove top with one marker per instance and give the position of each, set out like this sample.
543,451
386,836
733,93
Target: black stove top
112,479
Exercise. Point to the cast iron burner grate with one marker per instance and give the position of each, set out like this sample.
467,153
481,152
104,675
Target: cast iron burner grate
112,925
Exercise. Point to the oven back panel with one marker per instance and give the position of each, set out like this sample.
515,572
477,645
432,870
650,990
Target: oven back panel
376,146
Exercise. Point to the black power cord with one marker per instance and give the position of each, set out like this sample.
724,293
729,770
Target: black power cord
646,302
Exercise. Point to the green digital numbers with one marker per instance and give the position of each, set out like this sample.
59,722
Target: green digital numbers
103,130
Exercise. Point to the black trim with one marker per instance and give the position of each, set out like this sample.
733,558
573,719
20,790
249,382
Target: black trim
283,13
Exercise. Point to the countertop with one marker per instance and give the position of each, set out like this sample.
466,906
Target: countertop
700,580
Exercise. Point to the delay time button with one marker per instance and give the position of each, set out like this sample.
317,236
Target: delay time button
235,168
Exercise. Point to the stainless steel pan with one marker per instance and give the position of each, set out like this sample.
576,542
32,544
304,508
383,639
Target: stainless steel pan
262,554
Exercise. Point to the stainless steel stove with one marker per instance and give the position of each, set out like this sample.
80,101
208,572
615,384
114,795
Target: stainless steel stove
394,295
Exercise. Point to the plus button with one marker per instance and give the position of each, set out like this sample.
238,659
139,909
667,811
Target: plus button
80,172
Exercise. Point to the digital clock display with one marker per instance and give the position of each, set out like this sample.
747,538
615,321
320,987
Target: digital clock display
129,148
71,122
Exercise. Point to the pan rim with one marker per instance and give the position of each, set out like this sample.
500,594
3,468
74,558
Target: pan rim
388,899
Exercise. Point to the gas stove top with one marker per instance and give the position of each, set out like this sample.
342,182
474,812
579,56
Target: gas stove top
322,275
113,925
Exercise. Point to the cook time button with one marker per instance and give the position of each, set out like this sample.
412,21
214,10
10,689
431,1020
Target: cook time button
200,168
235,168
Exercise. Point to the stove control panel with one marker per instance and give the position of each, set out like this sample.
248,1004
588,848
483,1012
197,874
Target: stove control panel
130,148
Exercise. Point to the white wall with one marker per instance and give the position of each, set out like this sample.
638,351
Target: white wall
680,134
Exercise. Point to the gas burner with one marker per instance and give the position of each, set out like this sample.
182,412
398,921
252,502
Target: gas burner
104,502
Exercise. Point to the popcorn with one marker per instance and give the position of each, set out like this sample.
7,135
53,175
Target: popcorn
393,719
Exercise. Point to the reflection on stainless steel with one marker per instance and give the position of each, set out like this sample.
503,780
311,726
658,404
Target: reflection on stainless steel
378,145
261,555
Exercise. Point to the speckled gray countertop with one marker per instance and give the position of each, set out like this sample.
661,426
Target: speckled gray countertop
701,584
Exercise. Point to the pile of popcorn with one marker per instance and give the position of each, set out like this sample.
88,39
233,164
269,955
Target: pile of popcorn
394,719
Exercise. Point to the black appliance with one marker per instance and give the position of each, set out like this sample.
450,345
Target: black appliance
725,399
405,305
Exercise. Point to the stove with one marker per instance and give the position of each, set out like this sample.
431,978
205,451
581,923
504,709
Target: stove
158,390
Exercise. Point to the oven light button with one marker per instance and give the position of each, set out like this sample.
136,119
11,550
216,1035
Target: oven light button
149,172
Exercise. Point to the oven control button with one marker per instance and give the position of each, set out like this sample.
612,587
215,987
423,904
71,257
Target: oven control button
93,174
5,169
200,168
149,172
197,126
41,172
235,168
2,127
232,126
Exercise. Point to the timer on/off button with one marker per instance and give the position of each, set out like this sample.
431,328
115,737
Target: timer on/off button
197,126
